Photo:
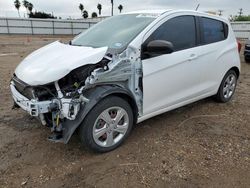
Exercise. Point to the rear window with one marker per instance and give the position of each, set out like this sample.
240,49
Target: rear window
213,30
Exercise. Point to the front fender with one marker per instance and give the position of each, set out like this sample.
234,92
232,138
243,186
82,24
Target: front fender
94,95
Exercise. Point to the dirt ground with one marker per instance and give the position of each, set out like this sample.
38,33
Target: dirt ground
205,144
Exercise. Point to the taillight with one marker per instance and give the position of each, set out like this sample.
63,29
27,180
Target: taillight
239,46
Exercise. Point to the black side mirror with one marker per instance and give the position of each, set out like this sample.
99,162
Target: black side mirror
159,47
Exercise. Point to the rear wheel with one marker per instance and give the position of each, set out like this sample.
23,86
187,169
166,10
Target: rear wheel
227,87
107,125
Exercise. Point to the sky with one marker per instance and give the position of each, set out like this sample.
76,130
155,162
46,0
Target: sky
69,8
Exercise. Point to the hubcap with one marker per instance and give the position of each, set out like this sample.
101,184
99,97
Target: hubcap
229,86
110,126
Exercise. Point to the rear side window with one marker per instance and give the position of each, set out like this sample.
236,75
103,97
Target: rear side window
213,30
181,31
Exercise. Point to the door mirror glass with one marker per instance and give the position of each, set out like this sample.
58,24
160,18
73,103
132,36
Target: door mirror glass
159,47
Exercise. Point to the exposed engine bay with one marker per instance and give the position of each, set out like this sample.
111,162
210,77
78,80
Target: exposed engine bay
61,104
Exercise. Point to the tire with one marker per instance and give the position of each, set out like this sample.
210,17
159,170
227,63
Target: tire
247,60
100,131
227,87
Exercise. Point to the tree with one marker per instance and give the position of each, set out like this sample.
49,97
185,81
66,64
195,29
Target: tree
81,7
99,7
85,14
25,4
42,15
220,12
30,7
120,7
241,18
241,12
94,15
17,5
112,9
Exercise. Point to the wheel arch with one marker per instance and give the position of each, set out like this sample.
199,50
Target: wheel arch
236,70
131,102
95,95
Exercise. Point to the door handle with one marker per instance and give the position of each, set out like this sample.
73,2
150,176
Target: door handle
192,57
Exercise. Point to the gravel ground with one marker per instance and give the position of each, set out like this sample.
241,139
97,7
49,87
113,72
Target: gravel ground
204,144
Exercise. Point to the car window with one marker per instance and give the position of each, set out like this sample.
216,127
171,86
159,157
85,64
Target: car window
212,30
180,31
115,32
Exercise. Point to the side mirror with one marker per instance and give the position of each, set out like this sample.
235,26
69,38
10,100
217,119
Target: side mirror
159,47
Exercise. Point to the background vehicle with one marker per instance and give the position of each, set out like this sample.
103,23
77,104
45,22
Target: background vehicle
127,69
247,51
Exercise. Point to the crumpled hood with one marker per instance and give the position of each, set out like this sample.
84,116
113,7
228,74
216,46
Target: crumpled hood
54,61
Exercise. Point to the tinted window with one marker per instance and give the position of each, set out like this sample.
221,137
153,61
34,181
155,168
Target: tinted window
213,30
181,31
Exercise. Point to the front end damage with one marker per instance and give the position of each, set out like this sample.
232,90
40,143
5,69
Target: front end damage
63,104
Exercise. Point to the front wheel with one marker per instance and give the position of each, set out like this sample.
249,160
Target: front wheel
107,125
227,87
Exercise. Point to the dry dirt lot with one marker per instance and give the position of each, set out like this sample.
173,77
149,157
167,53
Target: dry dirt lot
205,144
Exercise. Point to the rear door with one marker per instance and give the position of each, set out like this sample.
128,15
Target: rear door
214,53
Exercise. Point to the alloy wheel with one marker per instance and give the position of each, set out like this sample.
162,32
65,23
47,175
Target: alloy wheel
110,126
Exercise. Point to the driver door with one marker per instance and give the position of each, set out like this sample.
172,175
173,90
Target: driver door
170,79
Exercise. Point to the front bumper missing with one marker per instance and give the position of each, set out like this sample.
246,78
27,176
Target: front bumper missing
33,107
65,116
94,95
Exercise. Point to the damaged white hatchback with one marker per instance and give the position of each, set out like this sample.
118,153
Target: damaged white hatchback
124,70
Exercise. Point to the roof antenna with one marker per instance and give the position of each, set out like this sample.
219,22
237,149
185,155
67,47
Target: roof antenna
197,7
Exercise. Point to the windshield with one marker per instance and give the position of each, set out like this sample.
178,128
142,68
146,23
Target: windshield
115,32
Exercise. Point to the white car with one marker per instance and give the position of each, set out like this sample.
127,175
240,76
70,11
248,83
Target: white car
127,69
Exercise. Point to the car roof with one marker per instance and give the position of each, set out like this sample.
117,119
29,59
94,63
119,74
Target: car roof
159,12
